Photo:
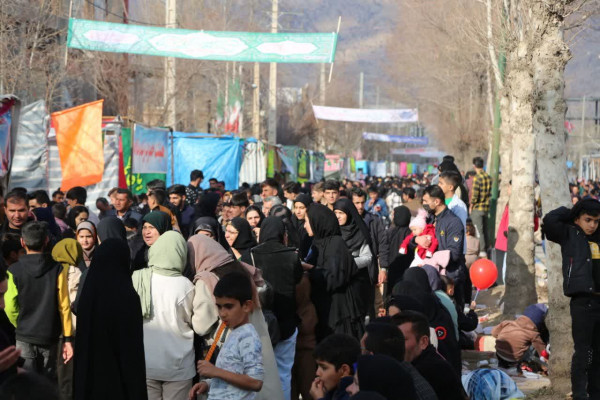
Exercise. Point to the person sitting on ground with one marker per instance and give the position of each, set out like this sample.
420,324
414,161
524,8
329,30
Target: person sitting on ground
517,340
423,356
335,357
238,372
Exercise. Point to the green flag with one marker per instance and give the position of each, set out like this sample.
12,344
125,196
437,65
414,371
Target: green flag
202,45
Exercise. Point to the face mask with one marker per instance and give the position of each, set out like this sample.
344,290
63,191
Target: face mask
428,209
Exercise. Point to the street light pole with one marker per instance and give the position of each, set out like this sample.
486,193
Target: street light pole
272,131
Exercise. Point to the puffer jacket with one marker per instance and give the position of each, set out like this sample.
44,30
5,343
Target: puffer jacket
575,248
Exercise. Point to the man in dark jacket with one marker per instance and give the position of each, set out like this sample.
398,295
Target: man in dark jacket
577,233
423,356
383,337
281,267
450,234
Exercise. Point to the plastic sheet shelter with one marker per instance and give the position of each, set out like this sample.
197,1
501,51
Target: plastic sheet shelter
254,162
216,157
30,161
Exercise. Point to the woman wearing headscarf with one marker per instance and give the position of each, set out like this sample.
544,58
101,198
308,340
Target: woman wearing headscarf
108,228
166,297
416,284
211,262
69,254
337,283
285,215
384,375
45,214
210,227
154,224
87,238
437,287
240,238
301,204
111,228
280,266
255,217
357,236
398,263
76,215
109,361
207,205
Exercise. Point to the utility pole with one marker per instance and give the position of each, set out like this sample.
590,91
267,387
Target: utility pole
361,87
256,102
170,78
321,129
272,131
241,125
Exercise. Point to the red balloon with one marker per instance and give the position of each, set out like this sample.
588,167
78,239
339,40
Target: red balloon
483,273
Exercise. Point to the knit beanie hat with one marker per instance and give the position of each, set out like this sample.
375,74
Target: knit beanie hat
420,221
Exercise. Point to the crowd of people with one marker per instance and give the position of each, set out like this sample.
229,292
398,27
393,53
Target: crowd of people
332,290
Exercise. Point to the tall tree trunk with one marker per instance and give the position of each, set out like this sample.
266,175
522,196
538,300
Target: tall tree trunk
549,59
505,156
520,270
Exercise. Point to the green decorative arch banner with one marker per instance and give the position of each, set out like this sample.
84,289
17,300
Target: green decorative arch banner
202,45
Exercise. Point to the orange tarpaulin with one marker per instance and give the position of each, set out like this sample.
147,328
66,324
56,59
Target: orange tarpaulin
80,147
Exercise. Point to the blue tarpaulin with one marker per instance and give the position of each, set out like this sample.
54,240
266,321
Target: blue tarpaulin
219,158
